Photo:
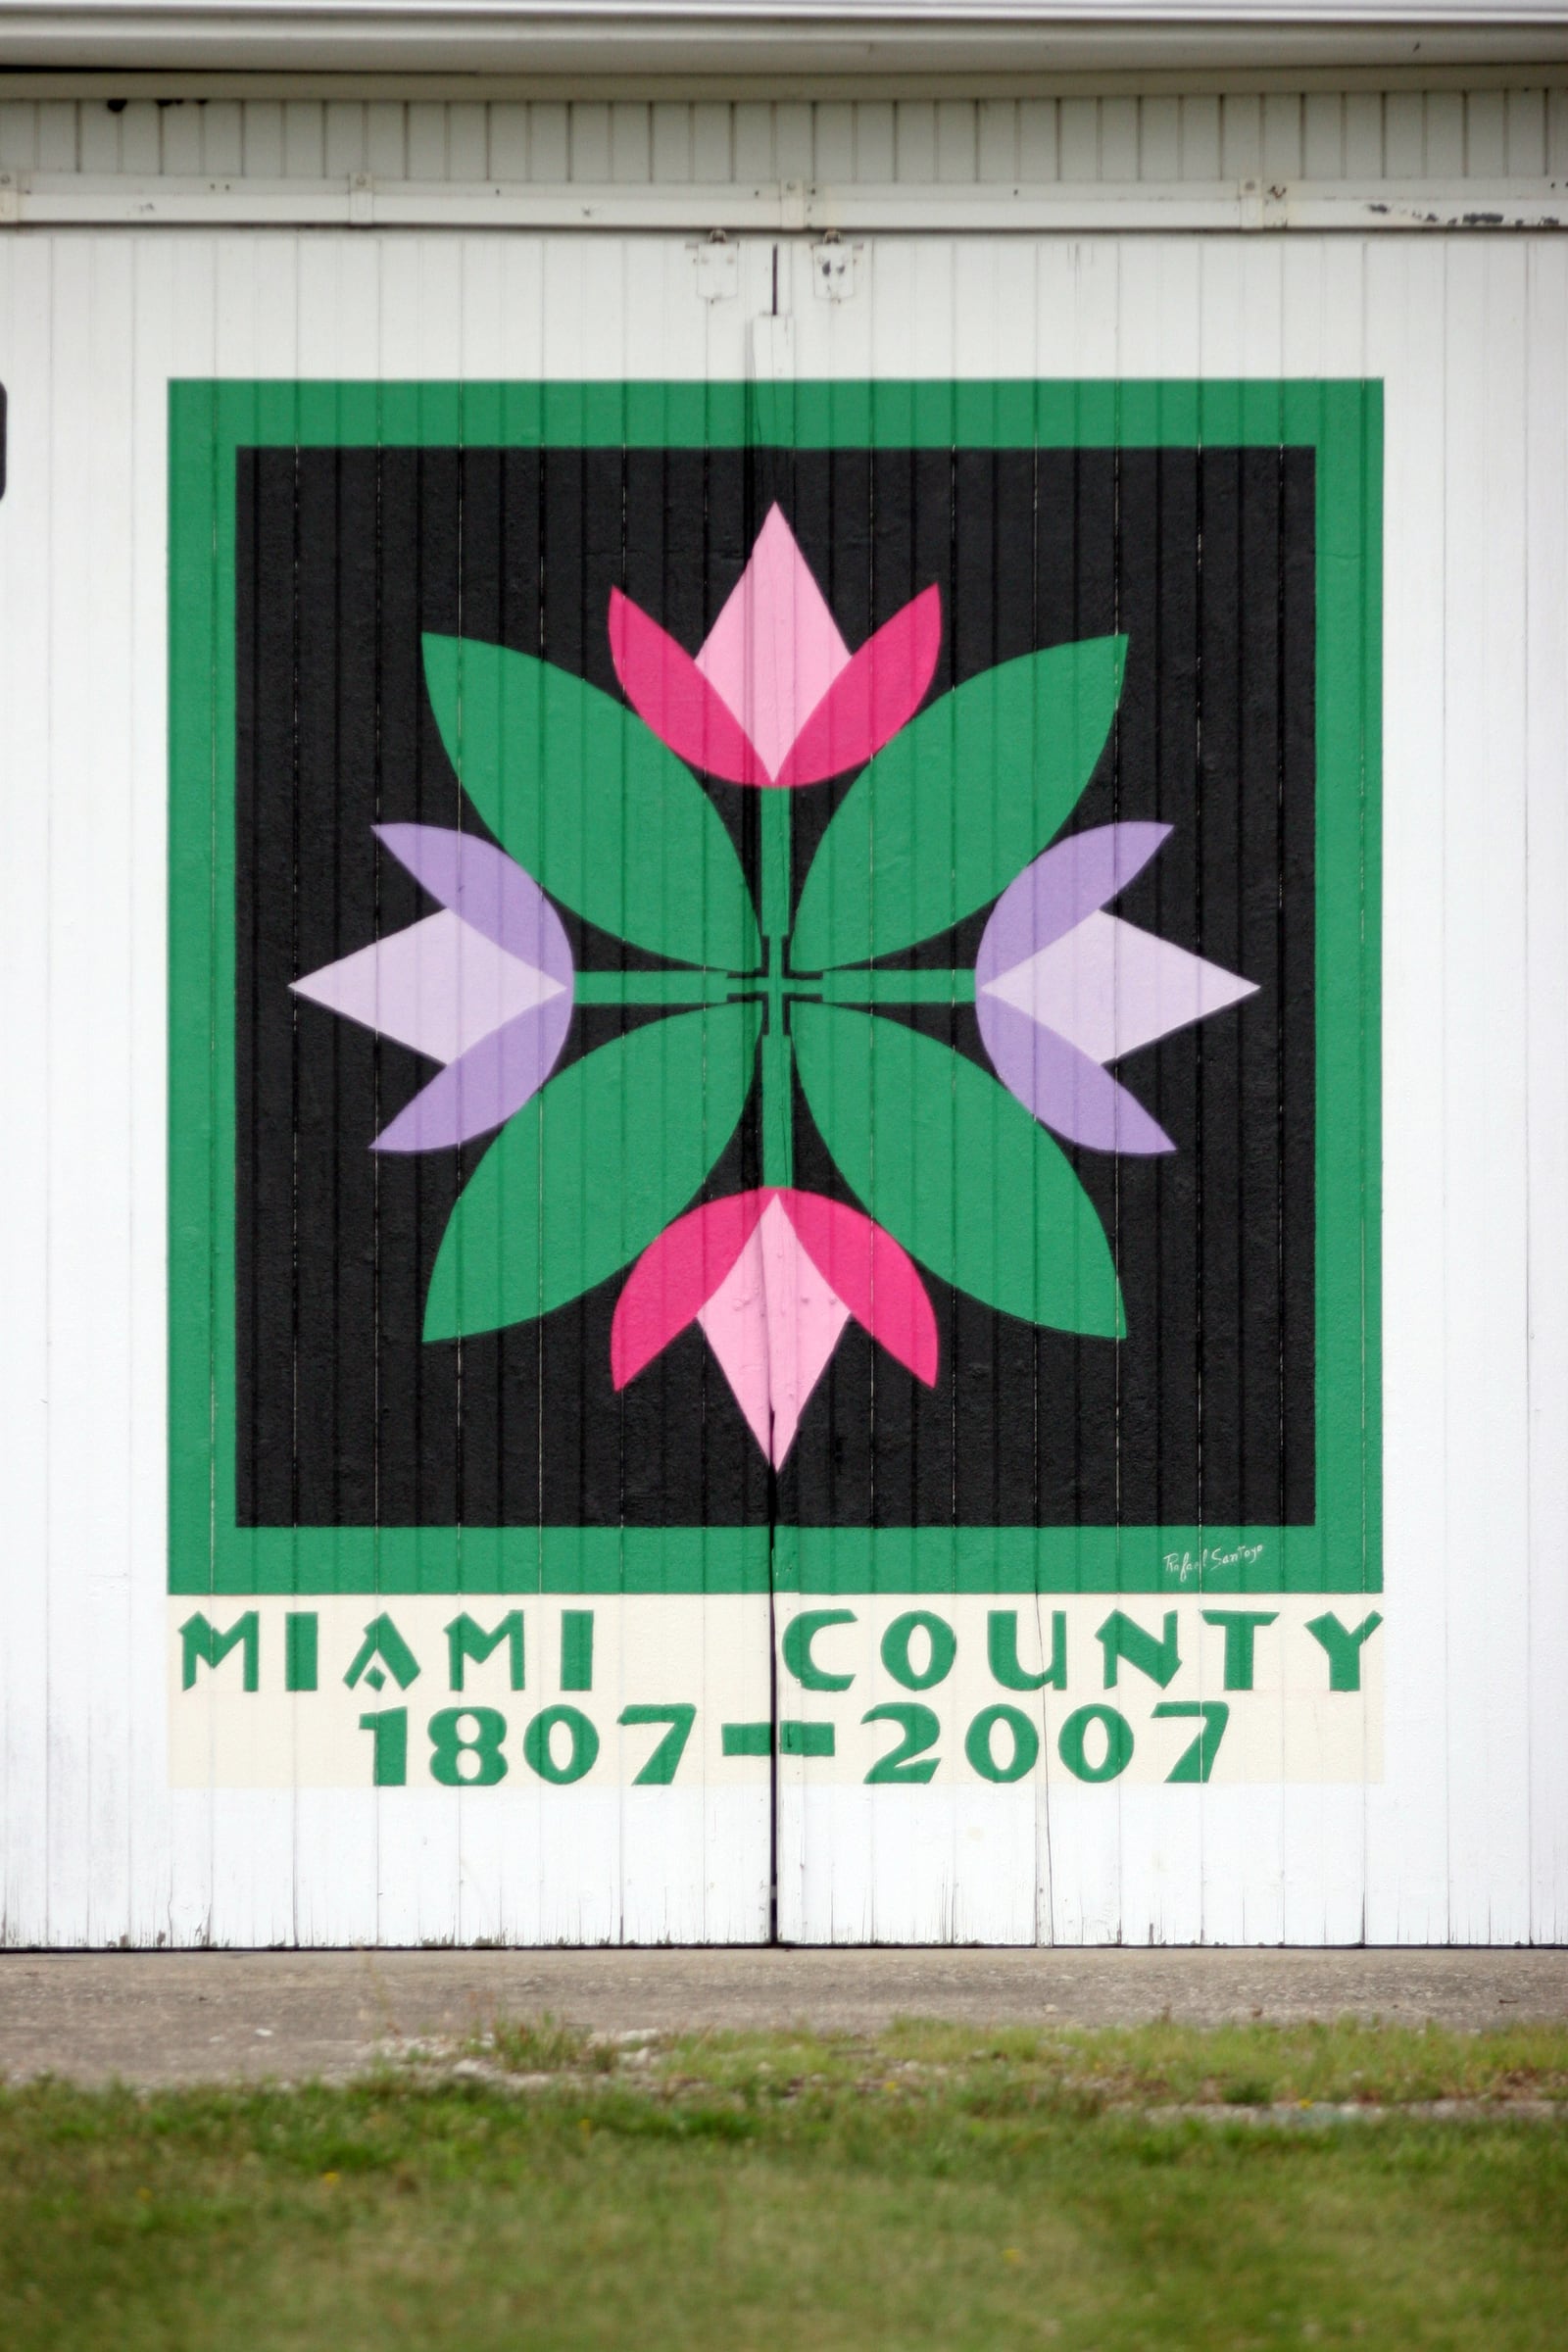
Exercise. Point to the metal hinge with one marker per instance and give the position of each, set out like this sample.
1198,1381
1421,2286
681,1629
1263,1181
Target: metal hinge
835,268
716,263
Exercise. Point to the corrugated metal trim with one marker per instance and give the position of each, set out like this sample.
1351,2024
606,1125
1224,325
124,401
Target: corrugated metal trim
1416,140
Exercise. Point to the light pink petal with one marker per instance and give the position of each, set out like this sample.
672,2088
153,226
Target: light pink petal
869,700
1111,987
772,1324
734,1322
439,986
875,1278
674,1277
773,1277
775,648
666,689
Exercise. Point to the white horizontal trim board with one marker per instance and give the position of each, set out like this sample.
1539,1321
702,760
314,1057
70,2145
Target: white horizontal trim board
77,200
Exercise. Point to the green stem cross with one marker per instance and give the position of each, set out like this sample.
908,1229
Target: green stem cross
859,984
778,1093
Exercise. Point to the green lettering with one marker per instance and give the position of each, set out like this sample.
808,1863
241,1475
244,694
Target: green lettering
383,1641
922,1731
660,1769
201,1645
1026,1743
1002,1648
584,1744
1072,1744
466,1640
896,1642
448,1743
796,1739
1119,1638
389,1752
795,1649
1344,1646
1196,1762
299,1649
1238,1625
577,1650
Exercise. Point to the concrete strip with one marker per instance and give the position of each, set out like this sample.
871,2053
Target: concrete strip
185,2017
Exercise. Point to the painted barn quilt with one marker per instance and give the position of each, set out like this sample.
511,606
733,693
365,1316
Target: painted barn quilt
773,998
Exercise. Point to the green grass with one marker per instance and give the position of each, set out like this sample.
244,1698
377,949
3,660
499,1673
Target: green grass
935,2188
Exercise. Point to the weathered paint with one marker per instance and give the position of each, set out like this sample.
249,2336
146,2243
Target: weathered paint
1154,1532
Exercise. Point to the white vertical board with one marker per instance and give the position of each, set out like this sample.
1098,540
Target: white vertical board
1453,1824
1547,1077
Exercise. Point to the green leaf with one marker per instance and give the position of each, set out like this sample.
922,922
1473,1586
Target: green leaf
957,1171
957,803
579,1182
584,796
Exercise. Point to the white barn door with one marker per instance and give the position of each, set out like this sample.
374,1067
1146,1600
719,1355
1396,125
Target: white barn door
786,1058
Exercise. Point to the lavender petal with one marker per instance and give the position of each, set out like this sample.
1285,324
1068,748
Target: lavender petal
486,1085
488,889
1059,888
1064,1089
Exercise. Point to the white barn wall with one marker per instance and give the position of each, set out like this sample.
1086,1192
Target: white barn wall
1464,1836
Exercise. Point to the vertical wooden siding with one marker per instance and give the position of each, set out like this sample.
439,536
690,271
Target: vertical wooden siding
1323,135
1465,1838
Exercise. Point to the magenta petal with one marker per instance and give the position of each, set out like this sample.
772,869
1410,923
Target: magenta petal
675,1277
483,1087
1064,1089
666,689
1059,888
489,890
875,1278
882,687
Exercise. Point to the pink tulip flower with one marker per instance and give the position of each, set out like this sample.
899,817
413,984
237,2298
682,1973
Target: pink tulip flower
774,696
772,1277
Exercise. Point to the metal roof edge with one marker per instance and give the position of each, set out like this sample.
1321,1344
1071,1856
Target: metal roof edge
131,85
635,43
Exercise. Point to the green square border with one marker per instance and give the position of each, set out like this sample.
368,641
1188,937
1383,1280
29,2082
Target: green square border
1342,420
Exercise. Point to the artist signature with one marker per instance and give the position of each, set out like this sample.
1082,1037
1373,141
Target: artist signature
1185,1566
